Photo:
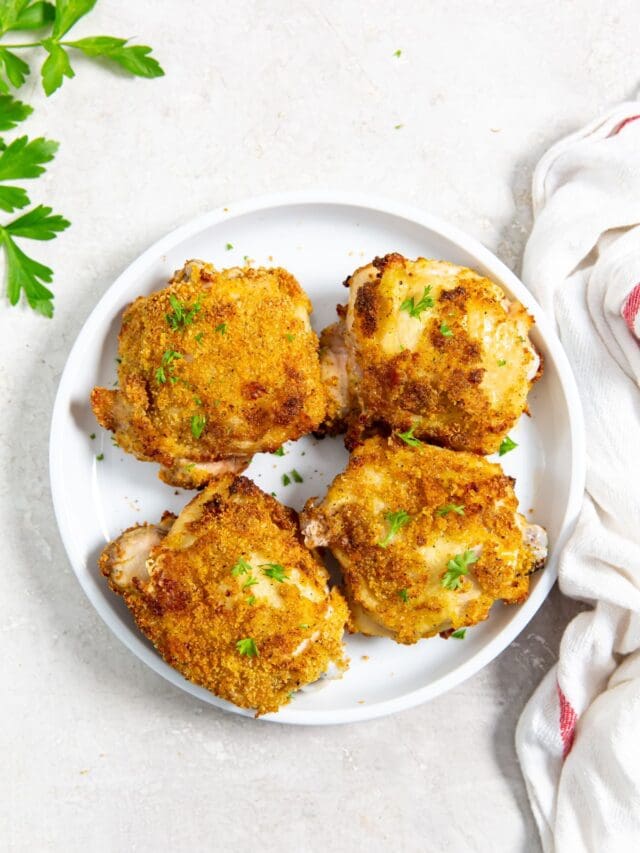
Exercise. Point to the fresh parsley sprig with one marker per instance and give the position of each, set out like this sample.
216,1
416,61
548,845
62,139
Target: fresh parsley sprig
457,567
24,159
414,308
396,520
54,21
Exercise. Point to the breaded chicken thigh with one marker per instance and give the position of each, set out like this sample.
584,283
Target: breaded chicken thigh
216,367
431,346
230,597
427,538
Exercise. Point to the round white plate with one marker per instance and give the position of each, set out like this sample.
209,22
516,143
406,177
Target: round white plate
320,238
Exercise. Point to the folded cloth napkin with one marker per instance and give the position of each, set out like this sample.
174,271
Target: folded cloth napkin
578,739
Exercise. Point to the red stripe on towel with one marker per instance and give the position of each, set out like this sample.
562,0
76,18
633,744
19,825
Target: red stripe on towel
624,124
568,720
631,307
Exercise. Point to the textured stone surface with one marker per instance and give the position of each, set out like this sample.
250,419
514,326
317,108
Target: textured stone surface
98,752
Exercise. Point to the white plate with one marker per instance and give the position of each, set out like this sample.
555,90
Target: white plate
320,238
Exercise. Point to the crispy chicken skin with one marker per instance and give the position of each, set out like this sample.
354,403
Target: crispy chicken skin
229,595
458,506
429,345
215,367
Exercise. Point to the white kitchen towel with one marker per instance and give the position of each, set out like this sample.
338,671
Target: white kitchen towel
578,739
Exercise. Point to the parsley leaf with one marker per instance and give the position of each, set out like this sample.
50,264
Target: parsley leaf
241,568
55,67
68,12
409,438
274,571
457,567
447,508
229,247
12,112
459,634
160,375
397,54
251,599
15,69
278,452
415,310
445,331
23,273
197,425
502,362
23,157
249,582
507,445
221,328
286,481
133,58
247,647
34,16
100,457
396,520
404,595
296,477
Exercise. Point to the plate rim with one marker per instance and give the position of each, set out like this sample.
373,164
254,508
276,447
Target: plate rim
484,257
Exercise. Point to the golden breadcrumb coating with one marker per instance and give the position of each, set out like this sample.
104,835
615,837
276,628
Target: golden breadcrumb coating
215,367
450,509
230,597
429,345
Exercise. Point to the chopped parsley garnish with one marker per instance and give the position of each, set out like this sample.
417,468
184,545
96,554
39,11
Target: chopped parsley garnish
197,425
303,626
291,338
190,466
100,457
274,571
168,357
398,126
92,436
507,445
459,634
251,599
241,568
404,595
501,363
396,520
457,567
286,480
278,452
247,647
409,438
181,316
397,54
229,246
197,401
447,508
249,582
416,309
247,260
221,328
445,331
296,477
199,337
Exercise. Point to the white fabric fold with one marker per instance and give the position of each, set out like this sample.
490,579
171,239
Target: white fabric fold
578,739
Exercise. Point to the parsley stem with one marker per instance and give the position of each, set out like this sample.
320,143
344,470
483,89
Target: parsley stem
27,44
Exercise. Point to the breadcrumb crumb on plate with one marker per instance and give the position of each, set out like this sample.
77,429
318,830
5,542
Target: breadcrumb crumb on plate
89,495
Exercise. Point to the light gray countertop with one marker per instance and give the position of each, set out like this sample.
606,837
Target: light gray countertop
98,752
